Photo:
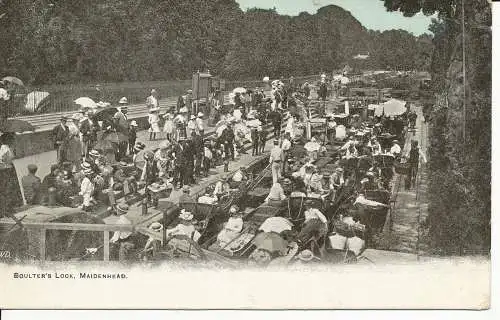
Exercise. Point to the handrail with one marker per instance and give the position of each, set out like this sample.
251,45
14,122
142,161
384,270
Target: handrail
43,227
73,226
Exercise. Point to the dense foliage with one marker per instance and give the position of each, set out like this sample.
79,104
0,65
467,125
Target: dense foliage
460,130
67,41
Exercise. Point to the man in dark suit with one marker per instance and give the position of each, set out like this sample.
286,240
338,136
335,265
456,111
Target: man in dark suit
88,131
122,128
227,139
60,135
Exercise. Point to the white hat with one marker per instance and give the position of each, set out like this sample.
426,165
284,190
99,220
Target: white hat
306,255
133,123
193,117
153,91
186,215
200,114
123,100
266,79
156,226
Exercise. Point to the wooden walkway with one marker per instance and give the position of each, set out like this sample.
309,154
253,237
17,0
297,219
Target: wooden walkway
403,231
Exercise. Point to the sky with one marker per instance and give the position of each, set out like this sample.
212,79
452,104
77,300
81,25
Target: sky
371,13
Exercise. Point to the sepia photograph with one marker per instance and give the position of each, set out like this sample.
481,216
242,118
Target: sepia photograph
245,154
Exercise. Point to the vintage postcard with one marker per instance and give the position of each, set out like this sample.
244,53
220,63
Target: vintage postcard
245,154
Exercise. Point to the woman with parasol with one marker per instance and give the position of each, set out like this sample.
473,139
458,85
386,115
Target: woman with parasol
74,145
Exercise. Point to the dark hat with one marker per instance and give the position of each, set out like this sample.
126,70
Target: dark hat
149,154
32,167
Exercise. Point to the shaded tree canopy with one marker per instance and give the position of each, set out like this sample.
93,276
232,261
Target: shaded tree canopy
460,130
67,41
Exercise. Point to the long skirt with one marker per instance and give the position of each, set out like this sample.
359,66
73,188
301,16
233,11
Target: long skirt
10,191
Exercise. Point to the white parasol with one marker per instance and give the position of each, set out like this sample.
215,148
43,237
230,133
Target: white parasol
276,224
239,90
86,102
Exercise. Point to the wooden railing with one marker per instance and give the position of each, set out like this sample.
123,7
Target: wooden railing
44,226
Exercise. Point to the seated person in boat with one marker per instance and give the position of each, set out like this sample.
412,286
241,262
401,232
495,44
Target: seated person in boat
375,146
240,175
315,224
370,182
152,242
351,152
185,196
276,194
123,240
185,227
222,188
313,181
207,198
232,228
336,181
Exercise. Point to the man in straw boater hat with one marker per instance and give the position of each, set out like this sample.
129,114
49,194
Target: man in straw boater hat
185,226
123,240
153,241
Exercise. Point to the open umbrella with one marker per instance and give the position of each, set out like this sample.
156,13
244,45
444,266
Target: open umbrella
33,100
271,242
105,114
86,102
276,224
239,90
13,80
394,107
15,125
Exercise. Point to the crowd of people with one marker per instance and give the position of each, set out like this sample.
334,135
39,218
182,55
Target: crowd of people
99,158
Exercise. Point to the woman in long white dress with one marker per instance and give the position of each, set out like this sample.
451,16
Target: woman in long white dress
154,123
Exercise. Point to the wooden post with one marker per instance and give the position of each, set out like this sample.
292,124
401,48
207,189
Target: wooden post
42,244
106,245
